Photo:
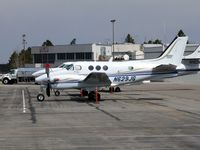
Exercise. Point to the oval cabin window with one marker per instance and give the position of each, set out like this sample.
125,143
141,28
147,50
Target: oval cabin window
98,67
90,68
105,67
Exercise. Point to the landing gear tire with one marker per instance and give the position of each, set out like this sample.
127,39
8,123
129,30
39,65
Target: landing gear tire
85,93
92,96
117,89
40,97
57,93
111,89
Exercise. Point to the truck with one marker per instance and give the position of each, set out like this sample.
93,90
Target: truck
19,75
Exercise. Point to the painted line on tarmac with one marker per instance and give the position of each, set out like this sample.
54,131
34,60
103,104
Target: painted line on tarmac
24,102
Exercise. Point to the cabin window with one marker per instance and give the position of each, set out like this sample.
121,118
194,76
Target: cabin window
78,67
98,67
105,67
90,68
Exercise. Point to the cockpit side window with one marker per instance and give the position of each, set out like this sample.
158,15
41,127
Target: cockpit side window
69,67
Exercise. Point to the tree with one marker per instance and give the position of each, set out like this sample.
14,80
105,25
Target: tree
129,39
28,56
157,41
150,42
14,60
20,59
47,43
73,41
181,33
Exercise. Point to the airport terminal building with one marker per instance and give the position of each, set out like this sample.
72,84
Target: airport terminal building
58,54
55,55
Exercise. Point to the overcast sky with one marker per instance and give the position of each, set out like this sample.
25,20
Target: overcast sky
89,21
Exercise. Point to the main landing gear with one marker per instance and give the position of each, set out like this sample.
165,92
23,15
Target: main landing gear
92,95
114,89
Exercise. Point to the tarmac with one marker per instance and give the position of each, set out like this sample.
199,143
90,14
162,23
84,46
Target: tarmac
154,116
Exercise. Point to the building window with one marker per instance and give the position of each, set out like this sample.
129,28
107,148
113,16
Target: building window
79,56
105,67
88,55
44,58
50,58
103,51
61,56
38,58
98,68
70,56
90,68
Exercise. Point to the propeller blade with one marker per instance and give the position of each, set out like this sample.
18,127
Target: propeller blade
48,89
47,66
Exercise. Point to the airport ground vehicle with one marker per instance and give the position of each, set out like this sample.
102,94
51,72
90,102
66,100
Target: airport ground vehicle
19,75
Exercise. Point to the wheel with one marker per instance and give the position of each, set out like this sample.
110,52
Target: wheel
5,81
91,96
111,89
117,89
40,97
57,93
85,93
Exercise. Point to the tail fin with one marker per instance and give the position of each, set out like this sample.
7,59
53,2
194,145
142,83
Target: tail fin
173,54
194,55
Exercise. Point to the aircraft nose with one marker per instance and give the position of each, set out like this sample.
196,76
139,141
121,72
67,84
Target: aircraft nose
38,73
41,78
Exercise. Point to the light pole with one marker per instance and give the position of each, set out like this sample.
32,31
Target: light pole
24,46
113,36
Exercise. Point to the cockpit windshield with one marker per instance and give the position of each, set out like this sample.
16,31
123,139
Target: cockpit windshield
61,66
69,67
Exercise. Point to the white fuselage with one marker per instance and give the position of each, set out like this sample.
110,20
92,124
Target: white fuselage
119,72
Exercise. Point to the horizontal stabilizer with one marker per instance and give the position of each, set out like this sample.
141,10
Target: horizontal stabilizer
164,69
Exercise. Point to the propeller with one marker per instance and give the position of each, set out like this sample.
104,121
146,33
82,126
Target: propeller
47,66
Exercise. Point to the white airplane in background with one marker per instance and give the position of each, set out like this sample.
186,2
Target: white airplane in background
190,64
90,76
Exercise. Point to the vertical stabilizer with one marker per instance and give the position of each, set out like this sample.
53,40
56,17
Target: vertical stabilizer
173,54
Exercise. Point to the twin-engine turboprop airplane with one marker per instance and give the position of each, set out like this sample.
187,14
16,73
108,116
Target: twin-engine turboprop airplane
91,76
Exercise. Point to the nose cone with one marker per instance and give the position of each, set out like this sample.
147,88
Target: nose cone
41,78
39,73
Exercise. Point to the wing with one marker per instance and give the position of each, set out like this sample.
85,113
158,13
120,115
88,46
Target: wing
96,79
